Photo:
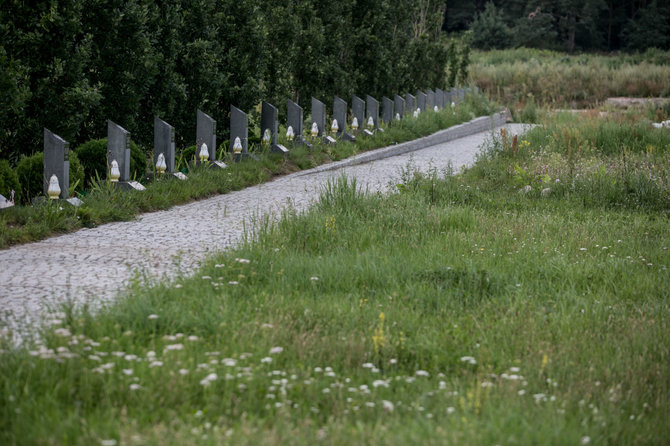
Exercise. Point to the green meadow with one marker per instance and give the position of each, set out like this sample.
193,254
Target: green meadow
522,301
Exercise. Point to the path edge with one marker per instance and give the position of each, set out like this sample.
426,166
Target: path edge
477,125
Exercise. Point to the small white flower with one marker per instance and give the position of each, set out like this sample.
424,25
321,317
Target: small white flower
110,442
368,365
153,364
242,260
276,350
422,373
388,406
586,440
393,361
370,404
514,369
313,278
183,372
135,386
450,410
172,347
521,392
233,282
152,316
380,383
219,265
266,360
127,372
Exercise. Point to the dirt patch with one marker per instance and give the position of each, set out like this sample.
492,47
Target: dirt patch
624,102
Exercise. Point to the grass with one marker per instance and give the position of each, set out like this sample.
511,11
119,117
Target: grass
455,310
104,203
569,81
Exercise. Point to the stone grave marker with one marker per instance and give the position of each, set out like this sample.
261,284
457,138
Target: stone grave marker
358,110
319,118
164,143
294,121
387,110
206,133
56,162
239,134
421,100
439,98
410,103
269,122
430,100
118,150
340,114
399,106
372,109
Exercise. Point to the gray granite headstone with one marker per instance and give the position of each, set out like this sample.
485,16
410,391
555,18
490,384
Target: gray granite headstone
439,98
421,100
372,110
205,133
56,162
399,105
118,149
430,100
239,129
340,113
358,110
319,116
270,122
410,104
461,94
164,143
387,110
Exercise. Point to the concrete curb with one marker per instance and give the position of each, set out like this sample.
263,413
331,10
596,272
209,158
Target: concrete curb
477,125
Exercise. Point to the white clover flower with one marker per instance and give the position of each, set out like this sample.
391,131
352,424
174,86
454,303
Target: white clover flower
276,350
173,347
64,332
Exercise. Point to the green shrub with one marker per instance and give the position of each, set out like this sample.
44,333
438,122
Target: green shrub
93,157
30,172
8,181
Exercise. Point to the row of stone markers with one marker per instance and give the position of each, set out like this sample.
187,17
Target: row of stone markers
364,122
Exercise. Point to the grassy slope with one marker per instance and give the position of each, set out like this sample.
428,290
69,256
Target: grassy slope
561,301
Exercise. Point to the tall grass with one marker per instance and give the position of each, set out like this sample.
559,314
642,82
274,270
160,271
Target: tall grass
455,310
515,76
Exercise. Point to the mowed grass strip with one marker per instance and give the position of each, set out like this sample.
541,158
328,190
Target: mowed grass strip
455,310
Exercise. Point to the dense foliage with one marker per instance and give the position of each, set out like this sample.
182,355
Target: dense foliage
72,64
565,24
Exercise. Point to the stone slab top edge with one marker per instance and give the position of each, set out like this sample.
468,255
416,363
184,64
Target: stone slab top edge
480,124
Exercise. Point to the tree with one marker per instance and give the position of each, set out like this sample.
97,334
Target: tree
489,30
649,29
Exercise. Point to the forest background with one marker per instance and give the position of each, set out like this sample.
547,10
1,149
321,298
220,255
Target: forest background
69,65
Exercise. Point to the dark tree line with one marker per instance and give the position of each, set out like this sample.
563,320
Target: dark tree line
69,65
589,25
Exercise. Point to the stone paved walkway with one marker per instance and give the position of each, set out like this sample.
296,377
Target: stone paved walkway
94,265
